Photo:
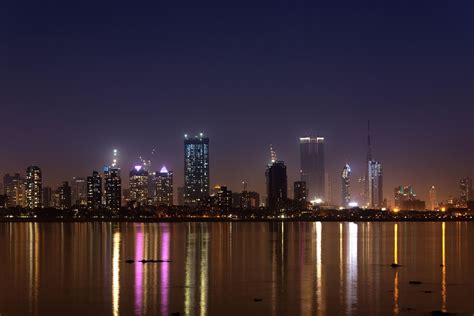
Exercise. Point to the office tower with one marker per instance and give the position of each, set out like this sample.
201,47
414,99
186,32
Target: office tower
79,191
433,198
180,193
300,194
237,199
277,190
163,187
112,188
34,189
375,184
345,186
14,190
403,194
47,197
465,190
312,166
196,169
64,192
94,191
223,198
139,185
374,178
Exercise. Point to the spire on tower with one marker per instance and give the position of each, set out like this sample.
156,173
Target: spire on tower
273,154
115,158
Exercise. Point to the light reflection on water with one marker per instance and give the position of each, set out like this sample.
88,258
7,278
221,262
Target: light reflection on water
236,268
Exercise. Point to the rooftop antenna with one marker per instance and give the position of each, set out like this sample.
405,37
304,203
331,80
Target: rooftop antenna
244,184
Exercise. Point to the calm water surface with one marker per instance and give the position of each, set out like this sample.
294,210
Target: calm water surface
221,268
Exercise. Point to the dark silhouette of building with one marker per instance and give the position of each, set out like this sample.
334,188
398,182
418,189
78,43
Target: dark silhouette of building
249,200
465,191
223,198
313,166
413,205
94,191
47,197
196,169
180,193
277,185
299,194
34,187
64,193
164,187
79,191
112,188
403,194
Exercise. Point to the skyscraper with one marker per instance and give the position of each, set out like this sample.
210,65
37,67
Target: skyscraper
47,197
79,191
433,198
34,187
374,178
112,188
14,190
223,198
277,182
465,190
164,187
312,166
299,194
64,192
345,186
139,185
94,191
375,184
196,169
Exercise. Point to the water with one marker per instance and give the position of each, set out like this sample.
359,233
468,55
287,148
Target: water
221,268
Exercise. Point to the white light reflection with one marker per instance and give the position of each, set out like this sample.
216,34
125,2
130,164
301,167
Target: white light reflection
116,273
351,284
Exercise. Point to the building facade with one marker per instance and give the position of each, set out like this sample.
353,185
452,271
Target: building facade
34,187
139,185
94,191
14,190
163,187
345,186
375,184
465,191
300,195
277,185
196,170
112,188
434,204
313,166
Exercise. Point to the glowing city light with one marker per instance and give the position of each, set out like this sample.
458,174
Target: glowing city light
164,170
353,204
138,168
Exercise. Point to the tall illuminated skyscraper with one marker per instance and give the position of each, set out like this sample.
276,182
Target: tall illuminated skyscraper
139,185
14,190
112,188
345,185
34,187
196,169
164,187
79,191
375,184
64,193
94,191
312,166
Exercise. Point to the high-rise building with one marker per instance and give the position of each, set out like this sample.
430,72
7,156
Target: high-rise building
223,198
79,191
433,198
277,187
345,186
249,200
112,188
14,190
299,194
312,166
47,197
196,169
163,187
465,190
34,187
139,185
180,193
64,193
375,185
403,194
94,191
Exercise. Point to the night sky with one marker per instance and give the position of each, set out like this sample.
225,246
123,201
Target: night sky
78,80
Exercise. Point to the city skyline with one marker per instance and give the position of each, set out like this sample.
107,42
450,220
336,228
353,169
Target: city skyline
82,89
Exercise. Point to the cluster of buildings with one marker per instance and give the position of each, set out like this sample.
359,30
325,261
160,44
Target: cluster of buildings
149,188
